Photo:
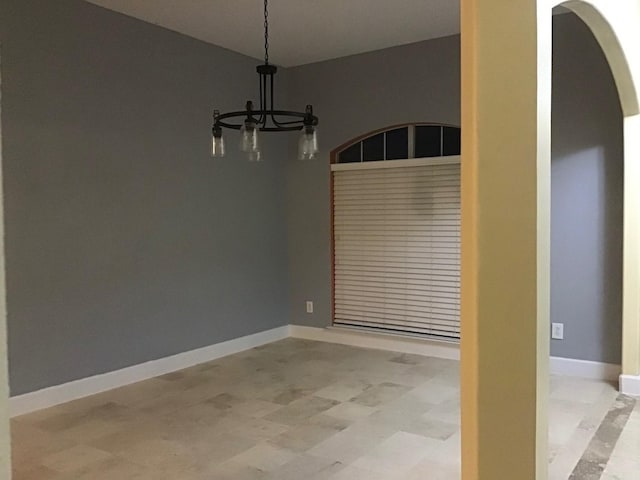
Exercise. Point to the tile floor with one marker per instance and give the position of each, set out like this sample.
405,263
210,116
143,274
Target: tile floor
624,463
293,410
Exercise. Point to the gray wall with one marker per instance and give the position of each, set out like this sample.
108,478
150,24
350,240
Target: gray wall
586,196
125,241
352,96
420,82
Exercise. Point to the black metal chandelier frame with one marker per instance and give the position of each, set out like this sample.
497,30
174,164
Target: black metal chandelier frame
266,118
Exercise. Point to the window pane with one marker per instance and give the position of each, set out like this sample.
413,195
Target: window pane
451,141
373,148
351,154
398,143
428,141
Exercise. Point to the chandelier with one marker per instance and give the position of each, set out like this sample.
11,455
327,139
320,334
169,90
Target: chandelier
266,118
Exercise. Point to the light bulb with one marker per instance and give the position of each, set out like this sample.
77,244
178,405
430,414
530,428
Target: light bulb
249,138
308,143
217,145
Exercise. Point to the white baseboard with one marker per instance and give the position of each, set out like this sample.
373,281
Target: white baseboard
380,341
584,369
51,396
630,384
84,387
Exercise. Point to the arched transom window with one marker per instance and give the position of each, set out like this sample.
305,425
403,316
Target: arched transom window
402,142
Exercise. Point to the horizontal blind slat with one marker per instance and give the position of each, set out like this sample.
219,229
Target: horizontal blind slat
397,248
432,332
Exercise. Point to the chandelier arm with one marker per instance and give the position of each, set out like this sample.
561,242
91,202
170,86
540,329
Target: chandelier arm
289,125
281,124
273,119
281,129
241,115
292,122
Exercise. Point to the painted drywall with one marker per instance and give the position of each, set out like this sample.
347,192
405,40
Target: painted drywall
586,197
420,82
125,241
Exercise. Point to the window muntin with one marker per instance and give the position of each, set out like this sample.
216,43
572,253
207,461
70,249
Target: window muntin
397,143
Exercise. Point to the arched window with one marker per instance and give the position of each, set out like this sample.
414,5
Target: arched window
420,140
396,231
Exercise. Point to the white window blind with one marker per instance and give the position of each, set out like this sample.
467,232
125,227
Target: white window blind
397,246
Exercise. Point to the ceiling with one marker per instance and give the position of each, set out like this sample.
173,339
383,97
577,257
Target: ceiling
301,31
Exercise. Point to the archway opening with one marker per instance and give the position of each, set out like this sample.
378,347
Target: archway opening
612,26
586,238
586,198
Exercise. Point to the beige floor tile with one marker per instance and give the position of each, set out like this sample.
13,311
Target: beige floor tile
299,411
235,471
397,454
432,470
303,437
448,412
333,423
355,473
255,408
307,467
74,458
431,428
380,394
161,453
257,428
345,446
435,393
350,411
110,469
141,392
35,472
343,391
578,390
31,444
265,457
624,468
283,395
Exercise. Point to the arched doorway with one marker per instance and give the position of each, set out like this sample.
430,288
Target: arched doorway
586,202
602,19
506,100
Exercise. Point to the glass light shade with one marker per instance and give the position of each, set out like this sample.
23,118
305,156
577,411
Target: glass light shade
308,144
249,138
217,147
255,156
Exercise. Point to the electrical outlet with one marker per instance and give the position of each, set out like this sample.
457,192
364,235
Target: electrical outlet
557,331
309,306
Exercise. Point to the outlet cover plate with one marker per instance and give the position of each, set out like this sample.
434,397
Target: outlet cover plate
557,331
